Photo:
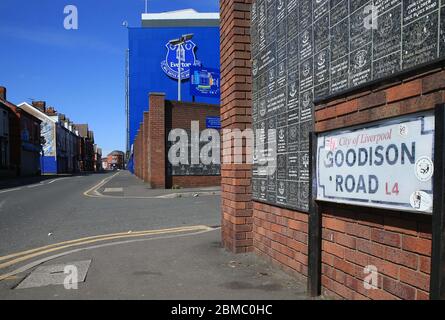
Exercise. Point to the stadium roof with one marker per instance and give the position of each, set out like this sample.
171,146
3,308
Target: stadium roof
185,18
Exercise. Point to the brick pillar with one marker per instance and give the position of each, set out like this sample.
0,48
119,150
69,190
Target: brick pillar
140,150
139,153
136,156
138,160
146,176
157,140
236,85
142,142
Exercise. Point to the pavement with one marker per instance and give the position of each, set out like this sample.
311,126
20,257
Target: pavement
130,242
135,188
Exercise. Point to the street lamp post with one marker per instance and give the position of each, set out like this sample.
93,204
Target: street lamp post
179,43
127,92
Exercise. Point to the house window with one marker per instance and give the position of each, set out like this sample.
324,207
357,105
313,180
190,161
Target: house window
3,153
36,132
5,124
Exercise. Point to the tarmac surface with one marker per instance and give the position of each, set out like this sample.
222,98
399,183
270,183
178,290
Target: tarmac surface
126,241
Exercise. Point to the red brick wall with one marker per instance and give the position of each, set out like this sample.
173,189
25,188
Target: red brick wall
18,121
414,94
146,175
236,99
150,143
143,147
277,234
196,181
137,156
398,244
281,236
180,115
157,140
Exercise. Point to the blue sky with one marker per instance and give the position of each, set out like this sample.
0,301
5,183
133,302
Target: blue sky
79,72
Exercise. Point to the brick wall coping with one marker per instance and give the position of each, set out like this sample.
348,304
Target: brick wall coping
380,84
192,104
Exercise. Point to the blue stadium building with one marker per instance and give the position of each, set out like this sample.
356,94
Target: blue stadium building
153,60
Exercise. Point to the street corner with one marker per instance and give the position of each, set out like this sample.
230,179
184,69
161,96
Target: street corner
177,264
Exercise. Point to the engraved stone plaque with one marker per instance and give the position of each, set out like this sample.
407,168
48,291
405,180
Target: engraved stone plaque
420,41
307,50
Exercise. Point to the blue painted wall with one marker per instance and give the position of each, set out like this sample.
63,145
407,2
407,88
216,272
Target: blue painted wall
147,51
49,164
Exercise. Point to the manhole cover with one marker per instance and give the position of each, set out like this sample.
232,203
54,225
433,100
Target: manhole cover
55,275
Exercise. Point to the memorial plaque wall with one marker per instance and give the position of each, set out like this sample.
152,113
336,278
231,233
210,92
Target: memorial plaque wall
303,50
190,169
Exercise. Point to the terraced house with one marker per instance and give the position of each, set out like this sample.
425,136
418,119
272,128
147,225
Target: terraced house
22,142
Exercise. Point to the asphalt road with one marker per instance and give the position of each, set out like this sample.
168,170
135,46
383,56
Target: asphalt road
177,256
57,210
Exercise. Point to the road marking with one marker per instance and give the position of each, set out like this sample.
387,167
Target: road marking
104,236
43,260
10,190
97,186
94,193
112,190
26,255
35,185
59,179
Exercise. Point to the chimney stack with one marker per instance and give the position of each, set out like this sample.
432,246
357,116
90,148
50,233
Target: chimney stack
39,105
51,111
3,93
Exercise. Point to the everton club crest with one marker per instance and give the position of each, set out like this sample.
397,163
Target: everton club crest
184,53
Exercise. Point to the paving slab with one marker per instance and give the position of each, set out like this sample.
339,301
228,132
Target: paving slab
56,275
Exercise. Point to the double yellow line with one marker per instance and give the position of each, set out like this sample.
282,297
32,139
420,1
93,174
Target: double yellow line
97,186
15,258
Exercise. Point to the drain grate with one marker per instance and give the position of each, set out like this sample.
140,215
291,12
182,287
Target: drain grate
54,275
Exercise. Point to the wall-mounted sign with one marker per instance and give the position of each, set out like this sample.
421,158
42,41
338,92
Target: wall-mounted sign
386,166
213,123
184,53
205,82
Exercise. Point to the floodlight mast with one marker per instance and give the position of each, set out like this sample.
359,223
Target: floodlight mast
178,43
